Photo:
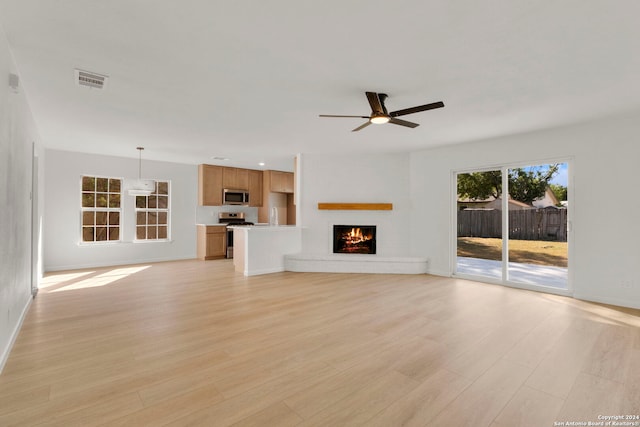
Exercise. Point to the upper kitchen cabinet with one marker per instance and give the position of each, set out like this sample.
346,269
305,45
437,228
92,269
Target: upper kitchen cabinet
255,188
210,185
235,178
281,182
212,180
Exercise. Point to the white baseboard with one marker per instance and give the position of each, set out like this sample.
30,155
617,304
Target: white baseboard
14,335
263,271
439,273
608,301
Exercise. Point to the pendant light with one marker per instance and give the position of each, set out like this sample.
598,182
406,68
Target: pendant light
141,187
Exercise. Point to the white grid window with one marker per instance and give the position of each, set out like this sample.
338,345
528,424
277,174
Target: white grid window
101,209
152,214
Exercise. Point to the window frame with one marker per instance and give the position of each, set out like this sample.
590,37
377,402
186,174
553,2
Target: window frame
107,210
505,279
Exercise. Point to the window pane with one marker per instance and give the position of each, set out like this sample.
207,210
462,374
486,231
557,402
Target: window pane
141,218
114,200
101,200
114,185
152,218
114,233
141,202
114,218
88,183
479,224
141,233
88,200
151,232
101,234
88,218
162,218
102,184
153,202
163,187
163,202
162,232
101,218
538,252
87,234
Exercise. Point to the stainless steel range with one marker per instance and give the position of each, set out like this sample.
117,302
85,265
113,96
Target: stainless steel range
231,218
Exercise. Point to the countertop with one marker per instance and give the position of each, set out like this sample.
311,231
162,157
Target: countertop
264,227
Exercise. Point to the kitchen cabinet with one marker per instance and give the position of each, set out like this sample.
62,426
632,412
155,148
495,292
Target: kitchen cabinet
213,179
255,188
235,178
277,193
212,242
281,182
210,185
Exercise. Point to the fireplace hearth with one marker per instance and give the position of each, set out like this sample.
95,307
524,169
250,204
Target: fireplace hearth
354,239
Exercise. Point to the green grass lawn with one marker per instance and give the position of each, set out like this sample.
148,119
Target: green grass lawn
537,252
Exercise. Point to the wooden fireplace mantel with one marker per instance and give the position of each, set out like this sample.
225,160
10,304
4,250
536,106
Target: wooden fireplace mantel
355,206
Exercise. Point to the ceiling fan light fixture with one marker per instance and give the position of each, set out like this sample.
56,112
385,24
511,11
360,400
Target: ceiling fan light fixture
379,119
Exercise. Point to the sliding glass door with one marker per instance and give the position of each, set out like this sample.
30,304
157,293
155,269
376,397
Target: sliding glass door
511,225
538,248
479,224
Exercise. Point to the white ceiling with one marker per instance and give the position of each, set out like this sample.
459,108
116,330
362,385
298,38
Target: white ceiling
193,79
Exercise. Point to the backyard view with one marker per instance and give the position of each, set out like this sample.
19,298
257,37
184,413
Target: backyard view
536,252
536,220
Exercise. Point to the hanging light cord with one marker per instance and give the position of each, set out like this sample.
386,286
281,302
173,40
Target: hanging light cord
140,162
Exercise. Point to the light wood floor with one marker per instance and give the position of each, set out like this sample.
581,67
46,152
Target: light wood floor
194,343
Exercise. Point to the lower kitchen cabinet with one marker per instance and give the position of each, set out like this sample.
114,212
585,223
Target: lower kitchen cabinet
212,242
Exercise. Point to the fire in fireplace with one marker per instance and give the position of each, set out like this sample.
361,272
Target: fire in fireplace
354,239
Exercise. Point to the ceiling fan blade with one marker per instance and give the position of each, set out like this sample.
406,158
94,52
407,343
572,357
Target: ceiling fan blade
362,126
374,102
332,115
412,110
403,123
382,97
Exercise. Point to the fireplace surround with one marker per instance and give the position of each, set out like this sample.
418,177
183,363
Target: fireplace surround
354,239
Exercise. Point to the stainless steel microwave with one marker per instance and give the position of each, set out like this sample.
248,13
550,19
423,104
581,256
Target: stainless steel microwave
235,197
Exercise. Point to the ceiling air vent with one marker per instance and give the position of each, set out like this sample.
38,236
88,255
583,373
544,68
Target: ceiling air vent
87,78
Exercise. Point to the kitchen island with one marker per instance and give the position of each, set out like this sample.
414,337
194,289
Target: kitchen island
261,249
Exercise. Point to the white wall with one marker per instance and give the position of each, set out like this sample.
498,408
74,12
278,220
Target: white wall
62,248
606,206
363,178
18,133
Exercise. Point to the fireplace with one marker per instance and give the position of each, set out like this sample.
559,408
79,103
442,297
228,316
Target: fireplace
354,239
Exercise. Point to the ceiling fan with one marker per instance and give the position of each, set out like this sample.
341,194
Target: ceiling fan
379,113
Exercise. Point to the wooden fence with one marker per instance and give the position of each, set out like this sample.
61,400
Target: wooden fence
527,224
